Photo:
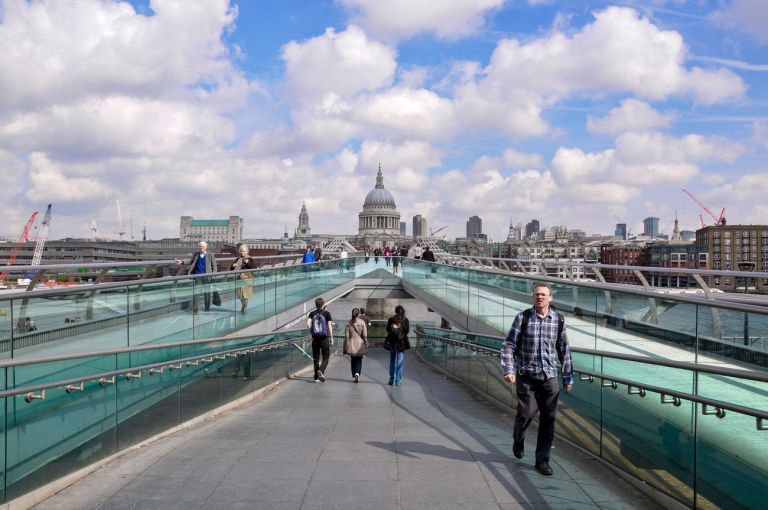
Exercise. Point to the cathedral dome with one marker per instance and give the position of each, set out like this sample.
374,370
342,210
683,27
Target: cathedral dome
379,196
379,216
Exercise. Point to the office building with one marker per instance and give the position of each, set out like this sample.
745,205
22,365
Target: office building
651,227
474,227
222,231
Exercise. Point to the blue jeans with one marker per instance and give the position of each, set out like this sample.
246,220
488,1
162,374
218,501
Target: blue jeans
396,358
357,365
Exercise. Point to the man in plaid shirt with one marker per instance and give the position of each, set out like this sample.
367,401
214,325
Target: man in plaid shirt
529,358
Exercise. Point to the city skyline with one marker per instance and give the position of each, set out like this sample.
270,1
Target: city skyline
490,108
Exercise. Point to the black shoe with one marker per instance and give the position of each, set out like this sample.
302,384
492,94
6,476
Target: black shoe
518,451
320,376
391,382
544,469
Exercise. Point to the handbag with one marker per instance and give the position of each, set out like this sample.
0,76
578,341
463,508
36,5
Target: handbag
216,298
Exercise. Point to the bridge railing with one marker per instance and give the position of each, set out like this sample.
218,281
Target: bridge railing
155,310
63,413
697,434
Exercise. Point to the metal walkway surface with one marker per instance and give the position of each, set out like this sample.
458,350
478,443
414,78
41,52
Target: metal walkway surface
430,443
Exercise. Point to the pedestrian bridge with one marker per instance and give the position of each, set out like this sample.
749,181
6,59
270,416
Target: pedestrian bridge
671,393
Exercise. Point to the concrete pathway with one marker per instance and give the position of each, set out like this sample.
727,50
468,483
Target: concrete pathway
428,444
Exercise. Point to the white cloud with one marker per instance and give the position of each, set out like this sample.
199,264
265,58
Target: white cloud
400,19
419,156
646,148
339,63
751,16
67,50
407,113
631,115
643,159
47,180
619,52
113,126
510,158
760,134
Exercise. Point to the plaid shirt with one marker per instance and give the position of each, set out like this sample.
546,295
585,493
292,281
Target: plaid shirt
540,351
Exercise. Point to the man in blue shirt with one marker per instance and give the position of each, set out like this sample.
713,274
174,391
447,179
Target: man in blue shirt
202,262
529,356
308,257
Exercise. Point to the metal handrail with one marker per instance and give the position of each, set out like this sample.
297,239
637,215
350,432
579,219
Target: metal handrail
683,365
140,263
602,287
718,405
15,294
7,363
675,270
104,378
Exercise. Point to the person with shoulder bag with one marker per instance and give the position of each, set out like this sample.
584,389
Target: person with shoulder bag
356,342
244,290
397,342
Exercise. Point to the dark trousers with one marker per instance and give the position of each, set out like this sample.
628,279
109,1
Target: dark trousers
321,345
536,395
356,363
203,287
243,360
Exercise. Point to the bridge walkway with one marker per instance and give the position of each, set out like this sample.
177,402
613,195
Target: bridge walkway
430,443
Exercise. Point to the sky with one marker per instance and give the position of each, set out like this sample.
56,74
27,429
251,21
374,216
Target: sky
577,113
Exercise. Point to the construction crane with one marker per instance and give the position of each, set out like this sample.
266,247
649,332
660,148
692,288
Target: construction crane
120,226
432,233
94,228
719,221
42,237
22,239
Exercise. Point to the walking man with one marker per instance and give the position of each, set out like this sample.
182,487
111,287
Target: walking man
536,342
202,263
321,330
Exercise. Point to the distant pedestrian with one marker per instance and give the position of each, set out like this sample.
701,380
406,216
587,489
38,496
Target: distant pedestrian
365,318
318,253
356,343
202,262
30,324
429,256
367,254
395,260
397,341
308,257
376,255
343,259
387,255
536,342
321,330
244,289
417,251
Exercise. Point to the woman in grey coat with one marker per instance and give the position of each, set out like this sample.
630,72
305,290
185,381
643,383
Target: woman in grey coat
356,342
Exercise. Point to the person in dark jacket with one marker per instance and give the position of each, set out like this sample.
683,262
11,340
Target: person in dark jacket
398,328
202,263
429,256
